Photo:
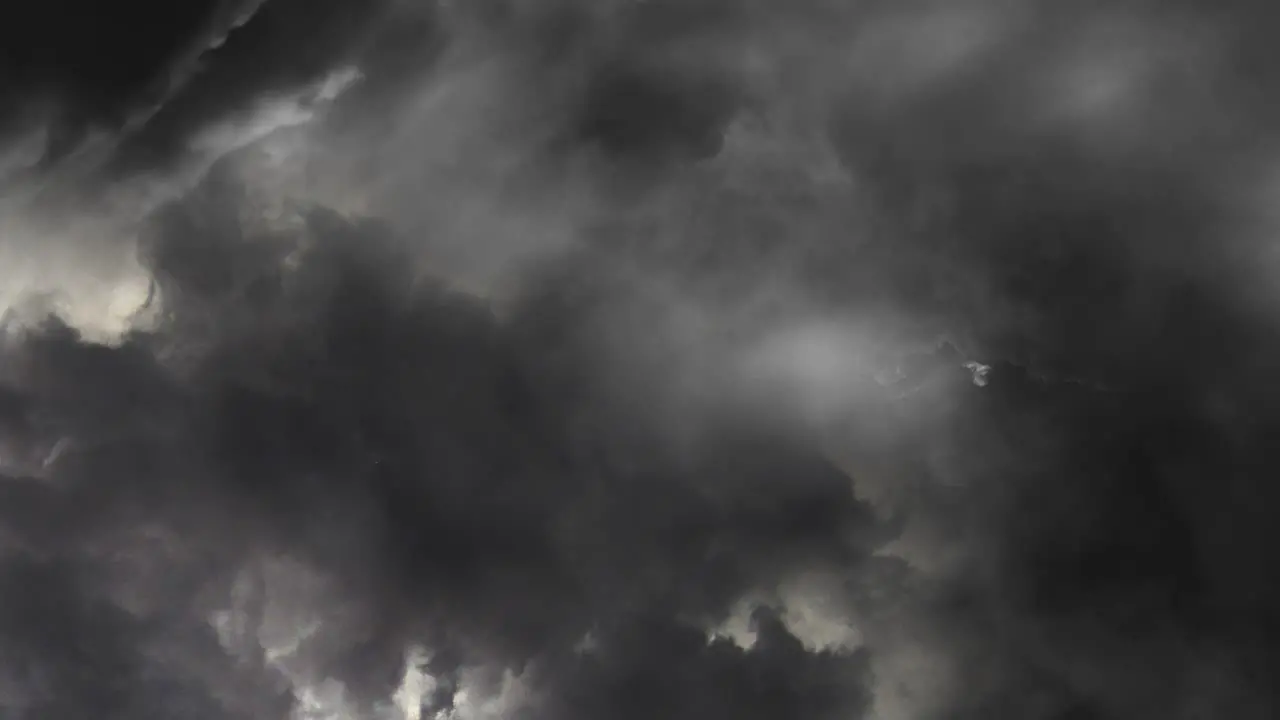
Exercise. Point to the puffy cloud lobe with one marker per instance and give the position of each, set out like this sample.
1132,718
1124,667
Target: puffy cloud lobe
650,666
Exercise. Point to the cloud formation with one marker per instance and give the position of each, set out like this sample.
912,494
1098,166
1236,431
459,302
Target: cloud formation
632,359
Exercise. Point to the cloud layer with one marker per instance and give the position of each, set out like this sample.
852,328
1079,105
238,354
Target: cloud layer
634,359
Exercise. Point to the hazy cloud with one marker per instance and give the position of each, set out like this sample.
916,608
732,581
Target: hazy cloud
693,359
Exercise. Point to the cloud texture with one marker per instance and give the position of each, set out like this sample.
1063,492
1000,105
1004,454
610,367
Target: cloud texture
640,358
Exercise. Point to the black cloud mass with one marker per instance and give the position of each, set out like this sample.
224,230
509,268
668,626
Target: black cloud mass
638,359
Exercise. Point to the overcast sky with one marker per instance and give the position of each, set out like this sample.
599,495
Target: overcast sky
639,360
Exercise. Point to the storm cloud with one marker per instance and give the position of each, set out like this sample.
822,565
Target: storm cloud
630,359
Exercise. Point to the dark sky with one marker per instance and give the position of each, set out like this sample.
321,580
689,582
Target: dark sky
566,360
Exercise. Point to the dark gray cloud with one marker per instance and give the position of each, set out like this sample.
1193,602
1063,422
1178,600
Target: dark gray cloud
473,485
99,56
635,382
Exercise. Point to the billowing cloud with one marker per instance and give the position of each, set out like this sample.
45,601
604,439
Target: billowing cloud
625,359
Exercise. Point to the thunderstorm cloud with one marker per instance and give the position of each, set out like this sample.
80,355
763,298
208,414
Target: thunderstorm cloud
639,359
